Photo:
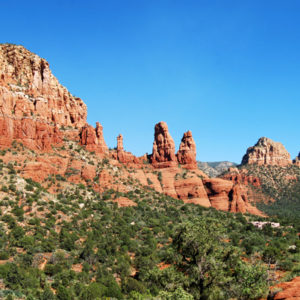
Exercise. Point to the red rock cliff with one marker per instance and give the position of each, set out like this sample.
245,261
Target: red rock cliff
33,104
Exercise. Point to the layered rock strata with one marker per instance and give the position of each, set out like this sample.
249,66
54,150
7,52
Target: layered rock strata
33,104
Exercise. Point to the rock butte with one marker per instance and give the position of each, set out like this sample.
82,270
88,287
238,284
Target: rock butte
267,152
39,112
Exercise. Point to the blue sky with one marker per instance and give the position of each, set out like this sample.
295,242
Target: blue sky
227,70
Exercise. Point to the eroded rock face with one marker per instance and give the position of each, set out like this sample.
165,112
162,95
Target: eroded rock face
227,196
186,154
33,104
33,134
163,154
92,138
191,190
267,152
241,176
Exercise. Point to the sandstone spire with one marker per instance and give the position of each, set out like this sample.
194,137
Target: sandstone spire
163,154
92,138
120,143
186,154
267,152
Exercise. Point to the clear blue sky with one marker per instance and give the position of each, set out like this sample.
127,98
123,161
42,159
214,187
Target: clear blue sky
227,70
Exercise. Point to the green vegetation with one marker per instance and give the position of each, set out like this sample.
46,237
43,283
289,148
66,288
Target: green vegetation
81,245
282,187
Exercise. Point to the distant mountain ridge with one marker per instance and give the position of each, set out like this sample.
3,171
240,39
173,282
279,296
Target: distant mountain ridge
216,168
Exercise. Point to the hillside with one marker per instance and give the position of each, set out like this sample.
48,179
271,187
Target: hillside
279,185
81,244
272,178
81,221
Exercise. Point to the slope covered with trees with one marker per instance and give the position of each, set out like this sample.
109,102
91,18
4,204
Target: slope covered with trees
78,244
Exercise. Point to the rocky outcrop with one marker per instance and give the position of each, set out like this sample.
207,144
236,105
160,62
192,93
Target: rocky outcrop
33,134
296,161
33,104
218,192
227,196
124,156
191,190
92,138
120,143
29,88
163,154
186,154
289,290
267,152
242,177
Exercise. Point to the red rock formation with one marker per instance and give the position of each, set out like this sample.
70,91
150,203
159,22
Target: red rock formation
33,105
33,134
92,138
33,109
191,190
29,88
163,154
218,192
241,176
124,202
124,156
186,154
227,196
290,290
120,143
267,152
